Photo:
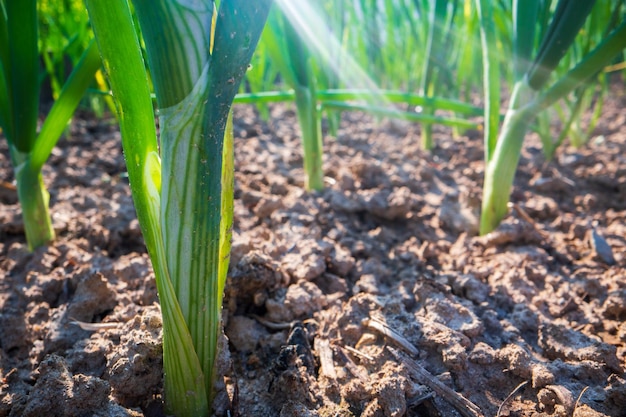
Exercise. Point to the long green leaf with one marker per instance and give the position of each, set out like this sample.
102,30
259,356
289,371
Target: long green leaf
569,17
239,26
297,53
491,76
24,71
372,97
300,65
6,113
276,48
524,22
19,107
612,45
295,62
396,114
63,108
433,58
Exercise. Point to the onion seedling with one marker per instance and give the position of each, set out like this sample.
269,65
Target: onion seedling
529,95
434,57
19,111
294,62
183,192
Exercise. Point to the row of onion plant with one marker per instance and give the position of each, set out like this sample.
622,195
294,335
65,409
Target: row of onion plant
508,34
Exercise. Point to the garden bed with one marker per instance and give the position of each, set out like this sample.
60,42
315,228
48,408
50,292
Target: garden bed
366,299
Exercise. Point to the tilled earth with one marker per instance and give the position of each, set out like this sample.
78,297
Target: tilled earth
374,297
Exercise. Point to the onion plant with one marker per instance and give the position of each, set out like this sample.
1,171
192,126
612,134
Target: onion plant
294,62
530,95
305,53
19,111
439,31
183,191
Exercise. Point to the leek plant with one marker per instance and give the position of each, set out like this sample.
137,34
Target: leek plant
183,192
437,38
294,61
19,111
530,95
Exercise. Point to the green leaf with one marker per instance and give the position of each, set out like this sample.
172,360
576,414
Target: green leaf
491,76
6,113
524,21
24,71
568,18
182,30
63,108
601,55
294,61
238,28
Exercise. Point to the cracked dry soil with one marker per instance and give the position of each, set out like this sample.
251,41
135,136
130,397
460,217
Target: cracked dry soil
371,298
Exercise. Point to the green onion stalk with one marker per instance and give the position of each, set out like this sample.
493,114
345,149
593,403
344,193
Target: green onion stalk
19,111
430,82
530,96
294,61
183,192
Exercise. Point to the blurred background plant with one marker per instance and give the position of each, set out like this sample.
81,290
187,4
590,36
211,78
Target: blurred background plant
65,33
543,76
21,51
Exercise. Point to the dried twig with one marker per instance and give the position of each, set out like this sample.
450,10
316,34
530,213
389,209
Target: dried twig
93,327
421,375
526,217
358,353
517,388
389,333
580,396
8,186
351,366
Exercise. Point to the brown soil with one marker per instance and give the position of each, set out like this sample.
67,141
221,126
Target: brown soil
371,298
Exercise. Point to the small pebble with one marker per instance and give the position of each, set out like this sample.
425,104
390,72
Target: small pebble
602,248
